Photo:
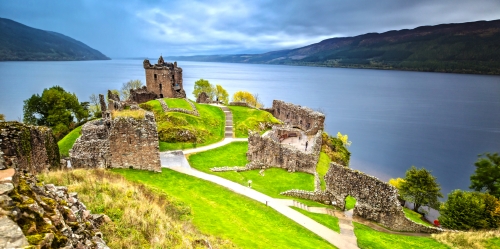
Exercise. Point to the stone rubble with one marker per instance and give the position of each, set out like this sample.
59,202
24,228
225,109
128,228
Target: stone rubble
45,216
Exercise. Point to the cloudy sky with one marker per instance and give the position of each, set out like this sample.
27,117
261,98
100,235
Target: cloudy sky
139,28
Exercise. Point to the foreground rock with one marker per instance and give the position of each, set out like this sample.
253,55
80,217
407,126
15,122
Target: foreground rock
45,216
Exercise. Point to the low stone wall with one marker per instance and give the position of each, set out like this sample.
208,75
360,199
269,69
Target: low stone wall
47,216
298,116
318,196
193,112
268,151
30,148
376,200
240,104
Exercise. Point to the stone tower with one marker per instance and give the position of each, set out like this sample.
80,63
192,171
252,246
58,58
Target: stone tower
164,79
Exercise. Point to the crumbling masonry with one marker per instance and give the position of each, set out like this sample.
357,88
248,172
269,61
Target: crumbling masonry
164,79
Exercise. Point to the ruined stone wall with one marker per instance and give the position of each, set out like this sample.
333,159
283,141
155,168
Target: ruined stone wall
164,79
240,104
134,143
267,151
376,200
91,149
203,98
141,95
298,116
118,143
25,147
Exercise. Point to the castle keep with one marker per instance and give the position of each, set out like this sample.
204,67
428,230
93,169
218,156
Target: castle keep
164,79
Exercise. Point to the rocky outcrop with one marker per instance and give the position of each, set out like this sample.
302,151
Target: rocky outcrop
45,216
375,200
30,148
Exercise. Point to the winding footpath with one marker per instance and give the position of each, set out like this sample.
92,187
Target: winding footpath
177,161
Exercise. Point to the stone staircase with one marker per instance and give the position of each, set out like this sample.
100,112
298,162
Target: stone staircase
228,133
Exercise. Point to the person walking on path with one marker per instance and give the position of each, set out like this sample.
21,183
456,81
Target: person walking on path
307,142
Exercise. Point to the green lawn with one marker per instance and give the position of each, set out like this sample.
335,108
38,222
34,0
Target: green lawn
350,202
324,219
245,119
415,217
178,103
492,243
183,131
369,238
274,181
67,142
220,212
322,168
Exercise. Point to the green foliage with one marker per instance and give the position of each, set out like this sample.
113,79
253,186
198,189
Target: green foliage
248,119
369,238
221,94
335,149
487,174
66,143
182,131
344,139
327,220
244,96
421,188
130,85
202,85
470,210
396,182
221,212
56,109
415,217
322,167
2,117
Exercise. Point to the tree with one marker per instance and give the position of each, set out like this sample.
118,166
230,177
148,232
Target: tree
202,85
95,106
421,188
470,210
344,139
55,108
221,94
126,87
2,117
396,182
244,96
487,174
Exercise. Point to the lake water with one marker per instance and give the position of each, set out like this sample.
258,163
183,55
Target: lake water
394,119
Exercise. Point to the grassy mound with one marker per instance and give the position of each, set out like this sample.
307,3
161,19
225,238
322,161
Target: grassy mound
415,217
182,131
178,103
67,142
369,238
223,213
322,167
245,119
163,223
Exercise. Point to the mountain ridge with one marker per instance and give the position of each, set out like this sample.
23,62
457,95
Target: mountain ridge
19,42
472,47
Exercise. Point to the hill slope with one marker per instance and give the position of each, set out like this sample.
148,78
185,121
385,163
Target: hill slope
19,42
472,47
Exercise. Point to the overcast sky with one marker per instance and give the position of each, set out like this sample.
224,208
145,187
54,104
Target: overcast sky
140,28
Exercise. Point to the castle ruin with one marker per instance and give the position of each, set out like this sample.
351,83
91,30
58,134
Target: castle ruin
164,79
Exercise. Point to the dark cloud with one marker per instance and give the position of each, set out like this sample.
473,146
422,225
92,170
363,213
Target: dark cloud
183,27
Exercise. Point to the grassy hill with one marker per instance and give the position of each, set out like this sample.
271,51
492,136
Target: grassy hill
472,47
19,42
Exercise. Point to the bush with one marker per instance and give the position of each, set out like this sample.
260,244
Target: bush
470,210
335,149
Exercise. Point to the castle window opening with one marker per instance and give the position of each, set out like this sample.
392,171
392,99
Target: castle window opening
156,76
160,87
161,96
